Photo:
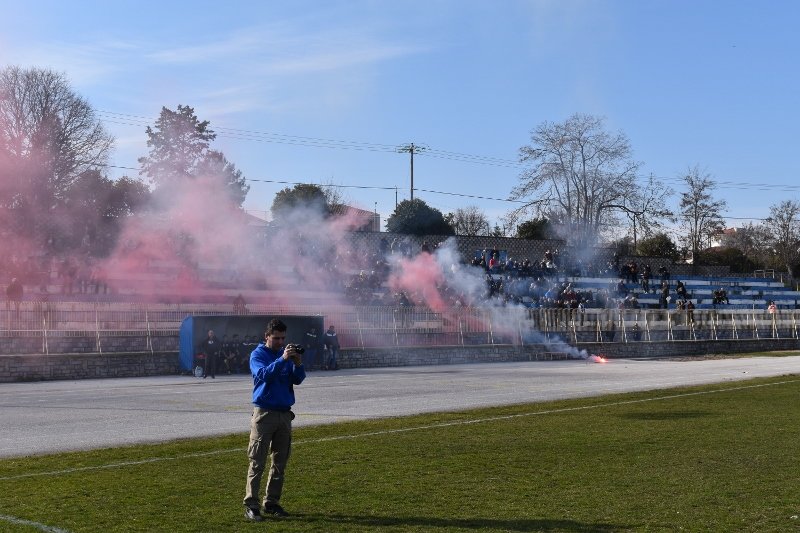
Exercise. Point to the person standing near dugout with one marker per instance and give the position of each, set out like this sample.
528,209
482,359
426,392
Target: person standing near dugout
276,370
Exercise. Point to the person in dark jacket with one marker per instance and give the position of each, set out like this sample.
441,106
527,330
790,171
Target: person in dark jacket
14,294
332,347
210,347
312,347
276,369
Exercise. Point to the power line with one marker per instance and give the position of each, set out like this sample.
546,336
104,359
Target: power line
281,182
259,136
317,142
375,187
473,196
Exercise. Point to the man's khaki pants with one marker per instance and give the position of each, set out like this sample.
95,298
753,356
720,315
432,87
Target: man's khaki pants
270,431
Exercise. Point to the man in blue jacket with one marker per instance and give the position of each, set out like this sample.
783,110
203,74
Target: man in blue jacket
275,371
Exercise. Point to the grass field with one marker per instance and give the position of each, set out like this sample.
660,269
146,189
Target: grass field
714,458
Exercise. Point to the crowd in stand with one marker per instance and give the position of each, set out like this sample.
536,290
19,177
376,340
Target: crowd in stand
361,277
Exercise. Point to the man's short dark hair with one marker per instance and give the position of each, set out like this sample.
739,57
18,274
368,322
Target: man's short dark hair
274,325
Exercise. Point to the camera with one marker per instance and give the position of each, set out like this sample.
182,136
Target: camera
297,348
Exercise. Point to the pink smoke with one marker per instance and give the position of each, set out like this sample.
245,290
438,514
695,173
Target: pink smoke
420,277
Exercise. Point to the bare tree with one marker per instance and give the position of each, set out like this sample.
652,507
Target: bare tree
578,173
700,213
469,220
646,209
782,229
49,135
49,138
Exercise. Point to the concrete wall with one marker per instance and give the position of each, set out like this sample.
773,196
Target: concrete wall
689,348
83,366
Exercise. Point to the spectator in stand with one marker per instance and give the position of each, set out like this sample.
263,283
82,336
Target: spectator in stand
663,301
404,308
690,311
425,248
664,272
239,305
332,348
210,347
720,296
634,272
494,263
647,273
624,271
772,308
98,279
14,293
680,290
406,246
631,302
622,290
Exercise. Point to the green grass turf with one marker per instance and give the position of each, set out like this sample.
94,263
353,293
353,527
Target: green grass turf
715,458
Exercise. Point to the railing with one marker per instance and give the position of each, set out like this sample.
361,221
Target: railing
84,327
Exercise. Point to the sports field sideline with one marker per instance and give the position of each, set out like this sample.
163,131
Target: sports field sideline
713,458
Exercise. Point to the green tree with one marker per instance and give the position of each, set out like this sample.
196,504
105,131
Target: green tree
180,150
731,257
95,210
217,165
497,231
534,230
415,217
659,245
307,196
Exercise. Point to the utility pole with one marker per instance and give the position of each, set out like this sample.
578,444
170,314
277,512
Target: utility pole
411,149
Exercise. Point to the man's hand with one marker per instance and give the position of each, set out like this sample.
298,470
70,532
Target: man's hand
291,353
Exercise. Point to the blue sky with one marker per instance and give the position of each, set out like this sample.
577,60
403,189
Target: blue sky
705,83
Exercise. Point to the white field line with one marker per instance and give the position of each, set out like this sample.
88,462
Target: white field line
393,431
36,525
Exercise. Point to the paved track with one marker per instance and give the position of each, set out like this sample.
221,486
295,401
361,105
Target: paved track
55,416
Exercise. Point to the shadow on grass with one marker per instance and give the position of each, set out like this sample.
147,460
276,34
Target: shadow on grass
667,415
541,524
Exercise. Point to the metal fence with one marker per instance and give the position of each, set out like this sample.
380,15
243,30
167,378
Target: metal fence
108,327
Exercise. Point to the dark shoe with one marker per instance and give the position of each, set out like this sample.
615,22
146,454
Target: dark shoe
253,514
273,509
